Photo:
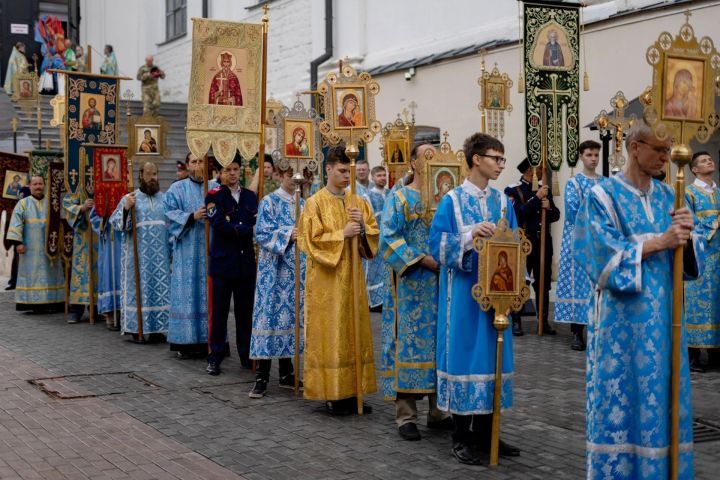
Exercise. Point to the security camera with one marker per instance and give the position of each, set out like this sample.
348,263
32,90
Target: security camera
409,74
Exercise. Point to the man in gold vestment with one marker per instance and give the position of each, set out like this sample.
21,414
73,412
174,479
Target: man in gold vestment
332,217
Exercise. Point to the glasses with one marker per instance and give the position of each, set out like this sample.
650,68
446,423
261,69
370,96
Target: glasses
657,148
498,159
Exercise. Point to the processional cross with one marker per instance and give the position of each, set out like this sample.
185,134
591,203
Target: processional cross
555,145
619,123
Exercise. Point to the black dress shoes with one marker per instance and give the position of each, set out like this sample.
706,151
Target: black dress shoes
466,453
696,366
213,369
577,344
517,329
409,432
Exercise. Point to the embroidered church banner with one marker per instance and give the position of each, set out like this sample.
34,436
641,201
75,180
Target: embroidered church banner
56,189
551,51
225,94
92,109
109,174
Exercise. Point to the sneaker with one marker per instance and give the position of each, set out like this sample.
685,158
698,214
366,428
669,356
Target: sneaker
288,381
213,369
259,390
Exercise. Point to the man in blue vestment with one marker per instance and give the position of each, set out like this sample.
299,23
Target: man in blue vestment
153,257
625,236
185,214
466,336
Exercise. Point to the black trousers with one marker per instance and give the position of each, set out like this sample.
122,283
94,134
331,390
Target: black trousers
577,328
262,368
472,429
533,268
14,268
242,292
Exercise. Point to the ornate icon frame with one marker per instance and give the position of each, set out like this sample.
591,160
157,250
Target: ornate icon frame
683,47
504,239
349,79
393,133
444,159
298,113
148,121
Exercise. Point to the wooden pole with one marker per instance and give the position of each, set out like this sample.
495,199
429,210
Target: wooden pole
352,152
208,280
680,155
543,222
66,264
297,179
91,271
501,323
88,63
263,104
136,257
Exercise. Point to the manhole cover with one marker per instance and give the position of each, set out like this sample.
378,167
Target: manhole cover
704,431
69,387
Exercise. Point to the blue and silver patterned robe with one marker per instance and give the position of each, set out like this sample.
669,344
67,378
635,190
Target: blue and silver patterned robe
80,274
154,263
40,280
273,329
466,337
573,286
702,297
409,317
629,334
188,322
375,268
108,264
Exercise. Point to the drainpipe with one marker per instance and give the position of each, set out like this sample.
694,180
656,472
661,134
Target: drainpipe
315,63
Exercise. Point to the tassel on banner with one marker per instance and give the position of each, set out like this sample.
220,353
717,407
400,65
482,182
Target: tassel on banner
555,185
586,82
521,83
535,185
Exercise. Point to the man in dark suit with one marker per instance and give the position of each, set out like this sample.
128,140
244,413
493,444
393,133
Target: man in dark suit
528,205
231,211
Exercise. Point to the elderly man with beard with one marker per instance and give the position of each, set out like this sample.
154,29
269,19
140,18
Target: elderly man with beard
153,256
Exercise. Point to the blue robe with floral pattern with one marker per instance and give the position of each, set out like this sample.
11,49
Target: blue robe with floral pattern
108,264
574,290
375,268
466,337
702,297
153,263
80,274
273,329
188,321
409,317
629,333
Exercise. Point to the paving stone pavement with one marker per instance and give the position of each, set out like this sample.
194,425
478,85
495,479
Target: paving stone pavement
115,409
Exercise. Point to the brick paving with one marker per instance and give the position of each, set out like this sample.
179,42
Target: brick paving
102,407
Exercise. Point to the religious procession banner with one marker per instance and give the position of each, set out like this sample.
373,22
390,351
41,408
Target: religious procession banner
441,172
300,139
225,100
56,190
49,164
14,170
551,63
110,178
68,236
92,103
397,141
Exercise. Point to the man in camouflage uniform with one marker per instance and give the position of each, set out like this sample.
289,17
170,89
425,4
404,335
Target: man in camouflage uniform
148,74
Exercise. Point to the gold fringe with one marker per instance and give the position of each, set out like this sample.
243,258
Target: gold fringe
586,82
555,185
521,83
535,185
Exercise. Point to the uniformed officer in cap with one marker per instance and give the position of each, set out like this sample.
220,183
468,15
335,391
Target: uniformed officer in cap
231,211
528,205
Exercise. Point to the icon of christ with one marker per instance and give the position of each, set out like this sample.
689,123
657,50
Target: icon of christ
225,86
